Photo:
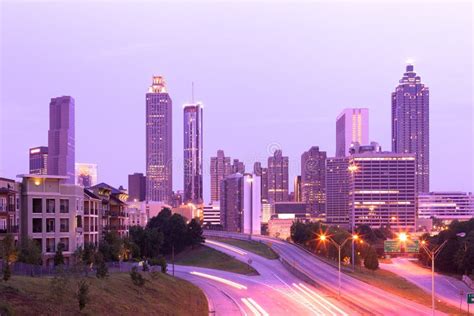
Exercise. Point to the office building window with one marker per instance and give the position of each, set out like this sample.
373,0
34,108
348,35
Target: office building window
37,205
64,206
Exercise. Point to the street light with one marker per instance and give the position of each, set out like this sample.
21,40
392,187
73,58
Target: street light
432,254
323,238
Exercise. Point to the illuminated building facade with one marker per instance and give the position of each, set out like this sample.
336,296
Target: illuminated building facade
61,138
136,187
313,180
86,174
382,190
352,125
220,168
410,124
277,177
39,160
446,206
193,154
337,190
159,164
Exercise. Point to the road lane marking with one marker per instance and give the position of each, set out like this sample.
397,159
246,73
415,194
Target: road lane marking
258,307
219,279
236,250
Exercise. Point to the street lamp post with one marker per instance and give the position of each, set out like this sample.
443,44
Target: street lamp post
339,247
432,254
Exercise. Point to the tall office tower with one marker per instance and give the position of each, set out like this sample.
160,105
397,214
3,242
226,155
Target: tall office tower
39,160
136,187
263,174
382,190
240,203
410,124
220,168
61,139
313,180
193,152
352,125
337,190
297,189
86,174
159,164
277,177
238,166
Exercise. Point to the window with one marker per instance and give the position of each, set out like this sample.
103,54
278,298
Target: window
50,245
37,225
65,242
64,206
50,225
38,243
37,205
50,206
64,225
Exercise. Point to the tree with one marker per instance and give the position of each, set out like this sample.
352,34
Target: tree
160,221
367,234
102,270
58,287
88,255
137,278
58,256
153,242
82,293
30,252
9,254
195,233
112,247
371,260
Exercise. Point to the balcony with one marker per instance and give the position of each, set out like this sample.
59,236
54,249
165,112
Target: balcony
115,227
10,230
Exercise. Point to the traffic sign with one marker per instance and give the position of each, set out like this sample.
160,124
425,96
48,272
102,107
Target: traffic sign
391,246
412,246
396,246
470,298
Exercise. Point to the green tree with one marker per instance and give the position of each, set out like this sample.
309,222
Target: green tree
137,278
160,221
9,254
58,256
101,271
30,252
112,247
371,260
195,233
82,293
153,242
58,287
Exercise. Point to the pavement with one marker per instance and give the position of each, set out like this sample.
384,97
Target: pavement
447,288
274,292
369,299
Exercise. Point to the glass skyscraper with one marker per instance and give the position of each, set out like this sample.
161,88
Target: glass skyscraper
193,153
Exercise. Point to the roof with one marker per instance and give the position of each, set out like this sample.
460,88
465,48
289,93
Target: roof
91,194
103,185
42,176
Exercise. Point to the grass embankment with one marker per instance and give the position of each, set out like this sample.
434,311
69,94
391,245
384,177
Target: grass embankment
115,295
256,247
205,257
395,284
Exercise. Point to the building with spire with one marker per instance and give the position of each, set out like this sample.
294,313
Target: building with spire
159,164
410,124
193,152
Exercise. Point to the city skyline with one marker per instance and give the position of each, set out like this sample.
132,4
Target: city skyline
316,117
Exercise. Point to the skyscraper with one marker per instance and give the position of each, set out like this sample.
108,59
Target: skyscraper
337,190
410,124
159,165
382,190
238,166
352,125
297,189
240,204
277,177
313,180
86,174
193,152
61,138
220,168
136,187
39,160
263,173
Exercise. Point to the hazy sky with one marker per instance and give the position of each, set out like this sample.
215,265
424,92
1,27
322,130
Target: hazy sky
271,75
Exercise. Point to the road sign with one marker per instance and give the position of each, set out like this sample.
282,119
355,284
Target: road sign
391,246
470,298
412,246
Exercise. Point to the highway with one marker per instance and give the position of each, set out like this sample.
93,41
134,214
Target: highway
447,288
368,298
274,292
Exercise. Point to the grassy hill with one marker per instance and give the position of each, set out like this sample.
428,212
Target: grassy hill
115,295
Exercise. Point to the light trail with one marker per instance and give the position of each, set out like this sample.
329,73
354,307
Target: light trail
219,279
258,307
325,300
251,307
240,252
314,299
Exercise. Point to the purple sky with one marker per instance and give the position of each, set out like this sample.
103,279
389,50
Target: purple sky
270,76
